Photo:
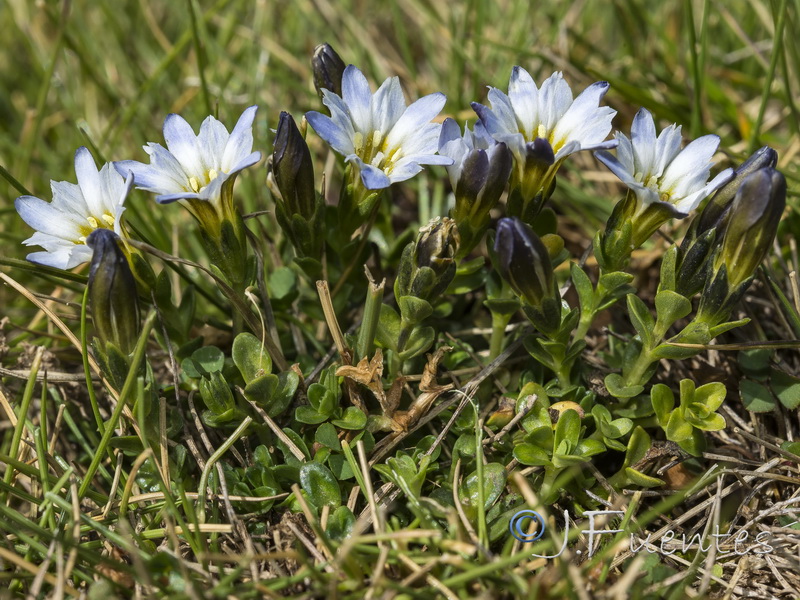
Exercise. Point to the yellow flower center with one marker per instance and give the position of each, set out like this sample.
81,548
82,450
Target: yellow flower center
106,221
197,186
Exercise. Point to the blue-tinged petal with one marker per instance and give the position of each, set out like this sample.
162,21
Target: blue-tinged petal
616,167
388,105
328,131
689,203
182,144
44,217
696,156
417,115
89,181
625,153
404,171
426,159
213,190
357,95
340,114
505,120
450,131
240,143
643,137
150,178
247,161
168,198
524,97
424,141
65,258
212,140
668,145
372,177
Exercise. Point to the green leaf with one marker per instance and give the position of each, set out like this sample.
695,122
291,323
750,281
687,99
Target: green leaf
282,283
209,358
617,388
755,363
531,455
677,428
641,319
663,401
353,418
710,395
327,436
670,306
418,342
786,388
583,286
639,478
568,429
502,306
309,416
321,486
494,481
414,310
250,357
615,279
388,327
756,397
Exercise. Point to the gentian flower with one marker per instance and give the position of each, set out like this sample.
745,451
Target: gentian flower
385,139
543,126
197,170
658,171
63,225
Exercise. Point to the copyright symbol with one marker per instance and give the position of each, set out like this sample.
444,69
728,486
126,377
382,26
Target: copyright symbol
517,525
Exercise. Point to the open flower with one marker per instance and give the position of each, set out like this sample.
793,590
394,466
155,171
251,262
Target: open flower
658,171
387,140
198,170
63,225
543,126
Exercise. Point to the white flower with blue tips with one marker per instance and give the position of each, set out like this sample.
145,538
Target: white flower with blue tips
658,171
197,170
385,139
62,226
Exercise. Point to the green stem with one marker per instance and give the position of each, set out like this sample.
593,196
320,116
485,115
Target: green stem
369,322
643,361
130,382
213,459
499,324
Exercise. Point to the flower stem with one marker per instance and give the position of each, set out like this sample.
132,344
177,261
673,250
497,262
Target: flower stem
499,324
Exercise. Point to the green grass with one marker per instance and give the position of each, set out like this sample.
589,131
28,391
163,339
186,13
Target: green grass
104,74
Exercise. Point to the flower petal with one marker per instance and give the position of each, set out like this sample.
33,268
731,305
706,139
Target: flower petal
89,180
240,143
357,95
182,144
418,114
336,137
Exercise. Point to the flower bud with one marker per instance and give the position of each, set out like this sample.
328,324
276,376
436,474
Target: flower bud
293,169
428,265
112,292
752,223
714,212
328,68
523,261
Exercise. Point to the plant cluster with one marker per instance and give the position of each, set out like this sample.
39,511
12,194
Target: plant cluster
318,430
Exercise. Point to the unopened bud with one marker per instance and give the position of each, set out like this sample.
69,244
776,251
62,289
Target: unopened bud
523,261
112,292
328,68
428,265
752,223
293,169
